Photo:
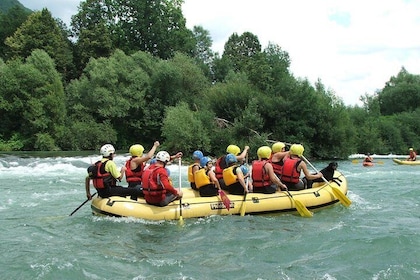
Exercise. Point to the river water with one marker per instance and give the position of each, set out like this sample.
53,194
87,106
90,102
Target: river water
377,237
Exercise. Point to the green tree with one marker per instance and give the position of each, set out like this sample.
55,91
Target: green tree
400,94
203,53
183,130
155,26
9,23
240,49
178,79
32,102
112,91
91,27
41,31
280,81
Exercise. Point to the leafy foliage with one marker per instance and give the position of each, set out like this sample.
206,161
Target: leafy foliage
40,31
33,94
14,15
134,73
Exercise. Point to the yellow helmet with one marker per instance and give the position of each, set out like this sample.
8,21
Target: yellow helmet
233,149
136,150
277,147
297,149
411,149
264,152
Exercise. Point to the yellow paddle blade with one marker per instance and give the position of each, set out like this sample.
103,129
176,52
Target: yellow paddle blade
379,162
341,196
355,161
181,221
301,208
243,207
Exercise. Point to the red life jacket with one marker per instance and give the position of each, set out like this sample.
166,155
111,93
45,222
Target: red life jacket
260,177
219,166
289,172
102,178
277,166
153,190
133,175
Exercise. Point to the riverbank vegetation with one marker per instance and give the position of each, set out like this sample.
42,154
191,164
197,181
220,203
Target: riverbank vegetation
146,77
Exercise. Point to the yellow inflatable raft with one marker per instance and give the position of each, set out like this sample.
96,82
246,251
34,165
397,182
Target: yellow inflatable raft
406,162
194,206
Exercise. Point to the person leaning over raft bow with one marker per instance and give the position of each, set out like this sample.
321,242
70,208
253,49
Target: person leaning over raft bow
104,174
135,165
194,167
412,156
221,162
264,180
292,167
157,187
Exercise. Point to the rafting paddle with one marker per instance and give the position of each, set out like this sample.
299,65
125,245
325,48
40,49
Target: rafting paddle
84,202
243,207
300,207
225,199
181,220
337,192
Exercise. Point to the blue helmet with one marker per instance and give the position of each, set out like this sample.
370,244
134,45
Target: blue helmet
204,161
230,158
197,154
244,169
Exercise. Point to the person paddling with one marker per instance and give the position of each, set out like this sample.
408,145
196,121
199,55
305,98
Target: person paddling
157,187
292,167
104,174
412,156
264,180
368,158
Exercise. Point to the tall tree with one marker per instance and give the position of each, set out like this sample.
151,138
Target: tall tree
203,53
155,26
112,91
400,94
240,49
184,130
33,103
92,29
9,23
41,31
279,79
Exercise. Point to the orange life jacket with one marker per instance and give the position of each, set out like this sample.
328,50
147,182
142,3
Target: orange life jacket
191,178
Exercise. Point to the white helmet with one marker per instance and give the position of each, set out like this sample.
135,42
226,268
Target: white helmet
163,156
107,150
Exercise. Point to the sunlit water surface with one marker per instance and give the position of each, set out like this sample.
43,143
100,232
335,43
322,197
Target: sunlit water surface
376,238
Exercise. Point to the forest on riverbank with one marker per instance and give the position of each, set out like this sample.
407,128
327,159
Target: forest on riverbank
146,77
